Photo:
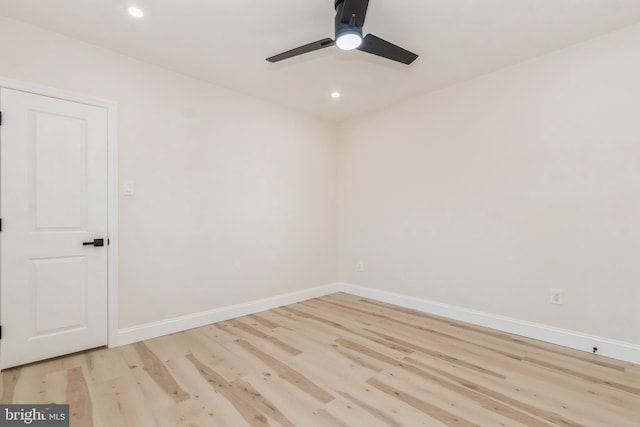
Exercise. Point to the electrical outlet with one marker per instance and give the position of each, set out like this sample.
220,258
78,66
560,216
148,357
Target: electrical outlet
556,296
359,266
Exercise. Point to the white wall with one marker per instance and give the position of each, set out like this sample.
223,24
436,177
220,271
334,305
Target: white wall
235,198
486,194
483,195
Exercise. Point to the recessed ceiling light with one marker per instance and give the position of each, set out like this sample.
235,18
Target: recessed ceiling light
335,94
136,12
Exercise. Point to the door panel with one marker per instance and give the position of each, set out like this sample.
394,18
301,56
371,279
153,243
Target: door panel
59,276
58,175
53,171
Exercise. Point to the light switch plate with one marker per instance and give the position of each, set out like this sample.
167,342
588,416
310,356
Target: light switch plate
128,188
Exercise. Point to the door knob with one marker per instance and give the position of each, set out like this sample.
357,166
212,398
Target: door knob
96,242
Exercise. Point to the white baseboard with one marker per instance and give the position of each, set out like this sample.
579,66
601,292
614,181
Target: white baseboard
576,340
190,321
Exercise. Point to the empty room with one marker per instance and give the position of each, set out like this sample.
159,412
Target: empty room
320,213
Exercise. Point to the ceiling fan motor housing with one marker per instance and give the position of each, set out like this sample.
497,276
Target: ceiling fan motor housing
342,27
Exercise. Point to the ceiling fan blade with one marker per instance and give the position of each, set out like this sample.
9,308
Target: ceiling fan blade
320,44
354,7
380,47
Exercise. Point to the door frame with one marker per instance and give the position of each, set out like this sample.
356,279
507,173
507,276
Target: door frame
112,187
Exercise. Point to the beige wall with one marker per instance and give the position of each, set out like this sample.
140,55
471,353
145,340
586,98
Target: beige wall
487,194
235,197
483,195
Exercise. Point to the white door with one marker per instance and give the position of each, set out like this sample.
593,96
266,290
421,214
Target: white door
53,199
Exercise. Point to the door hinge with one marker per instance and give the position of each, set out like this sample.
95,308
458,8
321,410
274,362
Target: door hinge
0,118
0,224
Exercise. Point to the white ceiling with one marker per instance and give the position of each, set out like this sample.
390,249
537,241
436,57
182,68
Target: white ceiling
226,42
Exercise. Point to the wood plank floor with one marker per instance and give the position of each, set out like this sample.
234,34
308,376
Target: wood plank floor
338,360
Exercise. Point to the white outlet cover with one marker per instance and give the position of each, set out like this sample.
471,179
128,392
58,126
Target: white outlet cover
556,296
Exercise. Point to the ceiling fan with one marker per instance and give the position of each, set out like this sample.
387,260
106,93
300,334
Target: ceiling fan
349,20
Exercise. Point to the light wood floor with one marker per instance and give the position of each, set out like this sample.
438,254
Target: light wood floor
338,360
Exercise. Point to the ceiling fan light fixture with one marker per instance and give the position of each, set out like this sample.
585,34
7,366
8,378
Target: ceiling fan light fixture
348,40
